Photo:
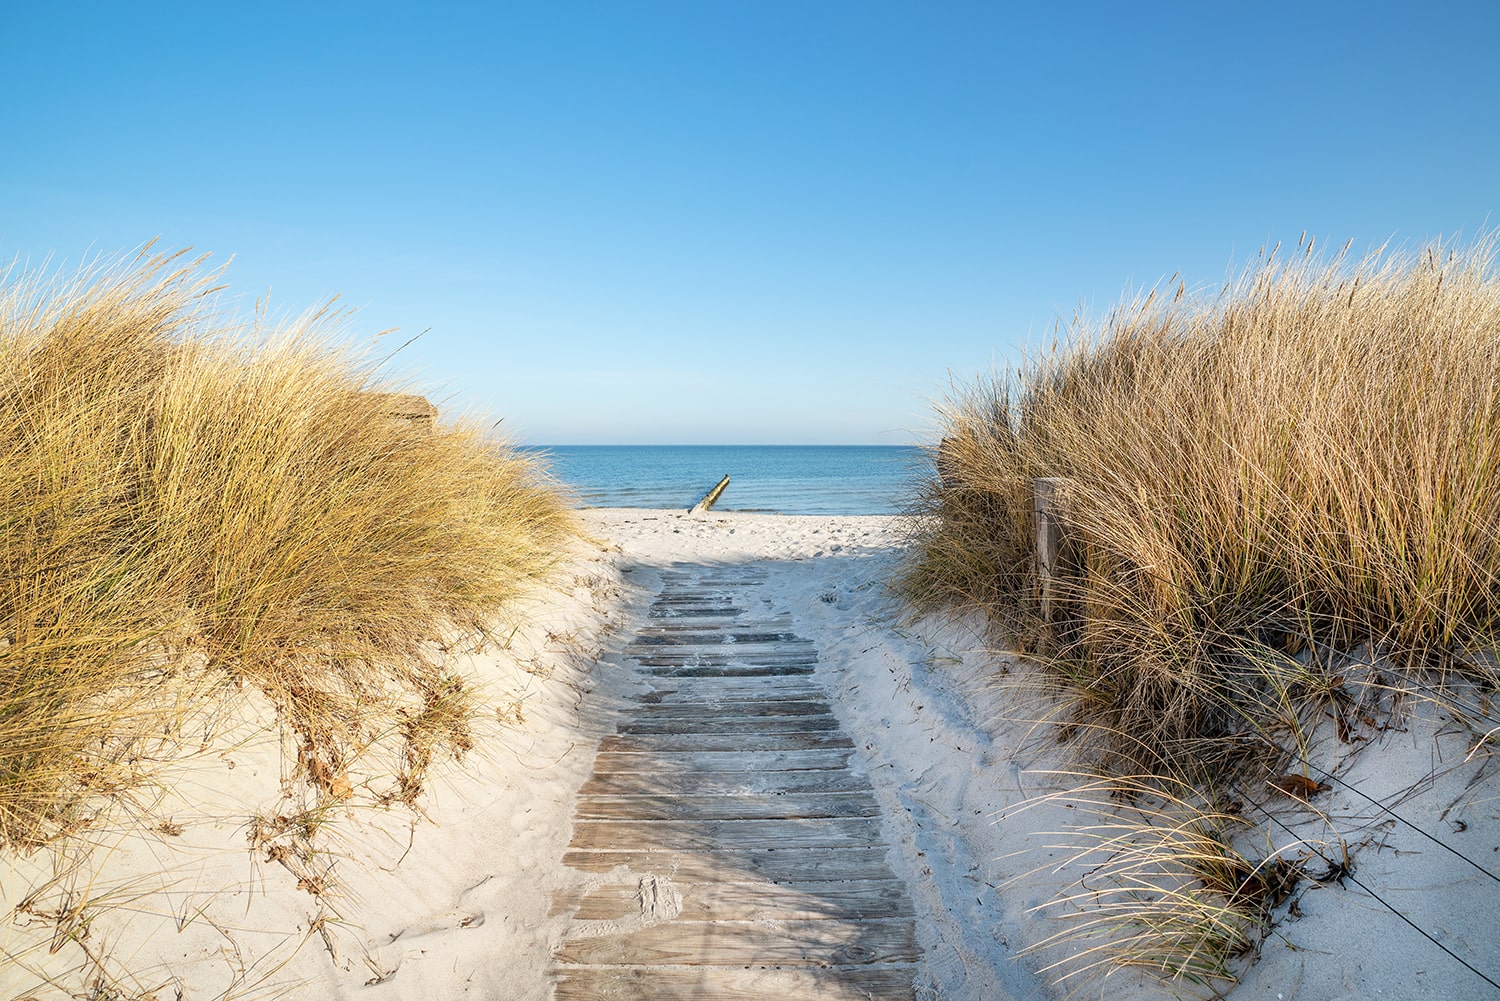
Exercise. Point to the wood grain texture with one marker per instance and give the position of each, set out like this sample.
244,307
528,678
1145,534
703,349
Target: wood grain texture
750,689
842,900
823,781
717,638
743,742
678,762
788,806
736,654
715,943
726,849
708,983
707,835
793,865
728,669
650,722
657,711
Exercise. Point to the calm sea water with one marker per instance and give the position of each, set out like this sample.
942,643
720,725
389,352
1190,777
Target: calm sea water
787,479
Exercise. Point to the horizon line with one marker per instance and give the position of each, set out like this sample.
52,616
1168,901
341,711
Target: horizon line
699,444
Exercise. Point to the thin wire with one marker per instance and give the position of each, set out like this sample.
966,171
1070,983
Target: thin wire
1423,933
1359,792
1345,874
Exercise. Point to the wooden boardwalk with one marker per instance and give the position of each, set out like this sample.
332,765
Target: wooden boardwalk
726,849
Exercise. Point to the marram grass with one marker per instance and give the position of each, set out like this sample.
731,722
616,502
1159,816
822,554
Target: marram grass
1306,460
1165,888
187,503
1286,501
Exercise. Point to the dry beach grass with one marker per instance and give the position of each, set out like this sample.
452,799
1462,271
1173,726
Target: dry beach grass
1306,460
1284,497
190,504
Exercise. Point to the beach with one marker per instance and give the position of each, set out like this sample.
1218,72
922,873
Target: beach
217,876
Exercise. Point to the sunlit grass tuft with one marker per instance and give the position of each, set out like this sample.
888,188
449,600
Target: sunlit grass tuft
1167,887
188,503
1305,462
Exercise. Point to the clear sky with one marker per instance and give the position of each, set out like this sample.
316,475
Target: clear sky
776,222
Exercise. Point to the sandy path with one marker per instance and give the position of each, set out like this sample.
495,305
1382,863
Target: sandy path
733,848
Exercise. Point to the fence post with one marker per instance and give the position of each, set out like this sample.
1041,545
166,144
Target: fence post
417,411
1058,556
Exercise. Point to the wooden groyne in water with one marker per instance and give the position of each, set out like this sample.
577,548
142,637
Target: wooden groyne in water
710,498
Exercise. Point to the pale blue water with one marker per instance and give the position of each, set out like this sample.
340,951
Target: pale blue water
786,479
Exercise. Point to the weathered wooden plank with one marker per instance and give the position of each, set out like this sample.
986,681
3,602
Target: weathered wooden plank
694,618
744,709
727,655
708,586
703,594
693,622
741,637
695,696
670,649
708,983
704,599
731,652
673,641
753,687
727,690
842,900
794,943
788,865
731,616
708,721
734,614
730,671
724,656
820,780
719,761
718,656
690,619
744,714
709,835
791,806
797,741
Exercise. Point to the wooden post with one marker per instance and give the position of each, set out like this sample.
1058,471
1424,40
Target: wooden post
947,464
710,498
417,411
1058,556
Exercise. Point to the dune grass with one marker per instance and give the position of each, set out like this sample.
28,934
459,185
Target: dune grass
1167,887
190,503
1285,509
1305,461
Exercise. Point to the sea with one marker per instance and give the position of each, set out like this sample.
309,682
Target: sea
780,479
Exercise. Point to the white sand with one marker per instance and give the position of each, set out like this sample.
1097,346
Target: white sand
457,903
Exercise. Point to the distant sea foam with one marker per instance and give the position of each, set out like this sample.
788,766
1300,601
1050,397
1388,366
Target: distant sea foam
785,479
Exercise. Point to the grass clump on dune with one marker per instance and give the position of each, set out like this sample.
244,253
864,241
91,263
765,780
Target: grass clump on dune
1309,458
1285,510
187,502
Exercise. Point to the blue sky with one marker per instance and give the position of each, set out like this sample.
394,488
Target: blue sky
777,222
